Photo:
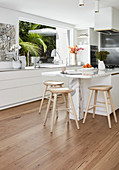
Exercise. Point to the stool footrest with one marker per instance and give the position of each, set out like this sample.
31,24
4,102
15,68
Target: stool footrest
91,108
97,106
57,102
47,97
61,103
102,102
68,109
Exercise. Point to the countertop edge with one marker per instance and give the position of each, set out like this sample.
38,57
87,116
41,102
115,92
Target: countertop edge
39,68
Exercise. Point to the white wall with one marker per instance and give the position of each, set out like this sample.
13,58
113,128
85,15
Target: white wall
62,44
12,17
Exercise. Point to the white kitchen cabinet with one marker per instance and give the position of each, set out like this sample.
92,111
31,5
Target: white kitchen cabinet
18,87
107,19
115,90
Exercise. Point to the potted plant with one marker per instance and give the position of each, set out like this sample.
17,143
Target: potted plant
101,56
16,63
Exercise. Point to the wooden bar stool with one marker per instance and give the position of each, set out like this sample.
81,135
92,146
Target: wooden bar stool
105,89
66,92
48,84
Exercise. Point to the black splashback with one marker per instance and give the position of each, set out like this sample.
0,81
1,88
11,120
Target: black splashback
110,43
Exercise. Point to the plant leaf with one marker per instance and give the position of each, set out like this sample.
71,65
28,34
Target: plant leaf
30,47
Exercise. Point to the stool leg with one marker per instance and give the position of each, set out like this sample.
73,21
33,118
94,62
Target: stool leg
95,101
57,114
56,106
72,104
89,100
66,101
111,102
48,107
63,98
108,115
53,112
42,99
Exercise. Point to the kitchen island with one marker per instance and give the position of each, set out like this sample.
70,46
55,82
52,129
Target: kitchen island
80,79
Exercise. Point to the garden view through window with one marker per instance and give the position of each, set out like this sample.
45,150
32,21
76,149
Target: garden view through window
37,42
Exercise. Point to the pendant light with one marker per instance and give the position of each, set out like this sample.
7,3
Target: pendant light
81,2
96,6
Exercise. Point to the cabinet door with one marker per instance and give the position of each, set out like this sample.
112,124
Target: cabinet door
115,90
93,37
23,86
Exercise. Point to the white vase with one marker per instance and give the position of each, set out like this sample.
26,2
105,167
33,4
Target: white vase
101,65
16,64
73,59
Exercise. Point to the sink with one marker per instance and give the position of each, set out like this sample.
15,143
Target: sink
46,65
6,65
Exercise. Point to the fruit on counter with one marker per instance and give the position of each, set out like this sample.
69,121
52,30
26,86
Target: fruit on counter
87,66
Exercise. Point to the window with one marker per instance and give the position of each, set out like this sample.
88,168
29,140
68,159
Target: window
43,44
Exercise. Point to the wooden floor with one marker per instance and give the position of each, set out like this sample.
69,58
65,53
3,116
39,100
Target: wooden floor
25,144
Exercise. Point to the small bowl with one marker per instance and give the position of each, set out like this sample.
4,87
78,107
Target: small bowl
63,69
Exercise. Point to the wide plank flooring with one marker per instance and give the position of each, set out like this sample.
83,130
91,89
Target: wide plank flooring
25,144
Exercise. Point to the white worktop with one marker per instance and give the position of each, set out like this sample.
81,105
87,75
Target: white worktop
82,73
42,66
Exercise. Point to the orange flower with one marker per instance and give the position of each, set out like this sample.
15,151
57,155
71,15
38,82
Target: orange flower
74,49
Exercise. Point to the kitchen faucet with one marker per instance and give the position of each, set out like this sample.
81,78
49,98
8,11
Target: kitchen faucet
53,54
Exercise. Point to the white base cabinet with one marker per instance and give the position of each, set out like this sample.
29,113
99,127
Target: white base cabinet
23,86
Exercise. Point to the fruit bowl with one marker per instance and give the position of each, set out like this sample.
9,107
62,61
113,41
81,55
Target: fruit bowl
87,67
91,68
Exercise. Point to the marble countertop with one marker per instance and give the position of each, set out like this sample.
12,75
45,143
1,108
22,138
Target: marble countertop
82,73
42,66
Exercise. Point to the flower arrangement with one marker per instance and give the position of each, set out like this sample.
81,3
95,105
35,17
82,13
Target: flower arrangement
15,47
74,49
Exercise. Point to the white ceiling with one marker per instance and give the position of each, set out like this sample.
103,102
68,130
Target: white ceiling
62,10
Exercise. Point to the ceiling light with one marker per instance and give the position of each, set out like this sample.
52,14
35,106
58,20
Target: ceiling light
81,2
96,6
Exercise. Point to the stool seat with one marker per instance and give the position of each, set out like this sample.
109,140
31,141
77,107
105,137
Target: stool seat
60,90
53,83
100,88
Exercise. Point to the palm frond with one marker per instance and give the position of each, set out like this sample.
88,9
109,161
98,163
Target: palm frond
20,40
31,47
37,39
34,26
43,44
